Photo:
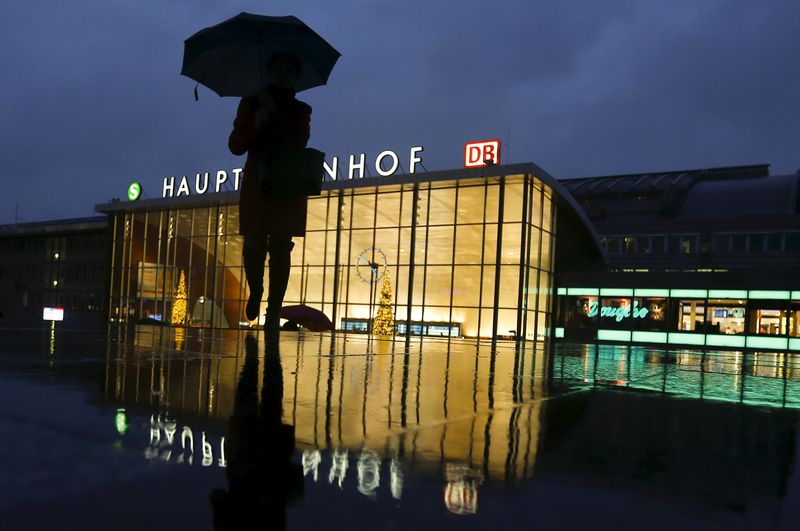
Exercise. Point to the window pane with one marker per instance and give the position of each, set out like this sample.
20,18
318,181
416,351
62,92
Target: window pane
492,202
443,204
386,241
317,213
469,241
512,239
364,211
487,290
509,286
314,246
470,204
388,210
468,319
512,207
547,206
440,245
465,281
546,252
437,285
490,244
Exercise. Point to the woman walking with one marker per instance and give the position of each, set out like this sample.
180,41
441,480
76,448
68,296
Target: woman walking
265,124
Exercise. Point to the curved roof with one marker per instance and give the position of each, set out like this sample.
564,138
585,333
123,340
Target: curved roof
737,191
768,195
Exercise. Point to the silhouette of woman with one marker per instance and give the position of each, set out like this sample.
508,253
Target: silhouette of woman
262,480
265,124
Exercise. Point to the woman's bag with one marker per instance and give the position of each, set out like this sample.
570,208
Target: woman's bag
292,172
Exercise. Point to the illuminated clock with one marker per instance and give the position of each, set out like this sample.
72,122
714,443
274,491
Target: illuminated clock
371,265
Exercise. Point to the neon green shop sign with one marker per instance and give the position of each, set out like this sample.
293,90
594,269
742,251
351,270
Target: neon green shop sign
619,312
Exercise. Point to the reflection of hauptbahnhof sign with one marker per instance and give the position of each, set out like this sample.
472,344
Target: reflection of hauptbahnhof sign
386,163
468,252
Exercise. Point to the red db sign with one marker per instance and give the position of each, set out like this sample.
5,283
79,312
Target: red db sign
483,153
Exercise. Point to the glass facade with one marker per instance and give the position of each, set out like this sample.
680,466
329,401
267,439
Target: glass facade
470,257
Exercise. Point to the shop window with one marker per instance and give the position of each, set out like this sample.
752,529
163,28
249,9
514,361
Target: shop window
629,245
771,322
725,317
657,244
580,312
774,242
692,316
643,245
687,244
794,320
792,243
673,244
722,243
756,243
650,314
739,243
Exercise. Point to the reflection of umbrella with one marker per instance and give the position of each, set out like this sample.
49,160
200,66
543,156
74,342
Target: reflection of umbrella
308,317
229,58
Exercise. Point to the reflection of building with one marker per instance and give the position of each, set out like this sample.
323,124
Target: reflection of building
706,454
456,403
469,252
59,263
770,379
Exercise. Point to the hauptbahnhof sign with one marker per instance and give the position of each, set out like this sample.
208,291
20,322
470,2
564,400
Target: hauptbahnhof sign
386,163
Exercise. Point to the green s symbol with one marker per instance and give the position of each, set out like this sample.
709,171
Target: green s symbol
134,191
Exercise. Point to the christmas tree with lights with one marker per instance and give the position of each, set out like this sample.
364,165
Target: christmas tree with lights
179,303
384,321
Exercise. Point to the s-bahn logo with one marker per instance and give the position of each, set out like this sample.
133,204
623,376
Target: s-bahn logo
482,153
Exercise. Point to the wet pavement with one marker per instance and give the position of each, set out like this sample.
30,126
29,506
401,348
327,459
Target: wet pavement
158,428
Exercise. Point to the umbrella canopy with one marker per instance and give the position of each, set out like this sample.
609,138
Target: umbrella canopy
229,58
308,317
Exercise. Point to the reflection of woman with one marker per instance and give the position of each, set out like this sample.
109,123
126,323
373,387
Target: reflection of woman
262,479
266,123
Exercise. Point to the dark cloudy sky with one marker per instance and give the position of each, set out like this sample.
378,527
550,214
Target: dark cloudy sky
91,96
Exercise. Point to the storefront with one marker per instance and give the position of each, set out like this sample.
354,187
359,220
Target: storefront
462,253
739,318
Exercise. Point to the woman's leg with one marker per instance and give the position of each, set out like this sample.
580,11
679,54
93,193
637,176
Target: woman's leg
280,262
254,253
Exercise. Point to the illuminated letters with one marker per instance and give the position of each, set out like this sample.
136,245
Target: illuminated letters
331,170
356,170
168,187
619,312
222,177
379,163
413,159
197,187
359,166
183,188
477,154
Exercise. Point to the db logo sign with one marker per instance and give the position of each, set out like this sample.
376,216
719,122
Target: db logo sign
483,153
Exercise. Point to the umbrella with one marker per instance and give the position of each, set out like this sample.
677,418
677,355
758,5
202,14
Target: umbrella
229,58
308,317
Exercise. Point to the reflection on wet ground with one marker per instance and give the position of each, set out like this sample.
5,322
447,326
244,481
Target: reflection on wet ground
158,428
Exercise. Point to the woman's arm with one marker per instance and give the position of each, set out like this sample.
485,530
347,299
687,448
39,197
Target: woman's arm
245,128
